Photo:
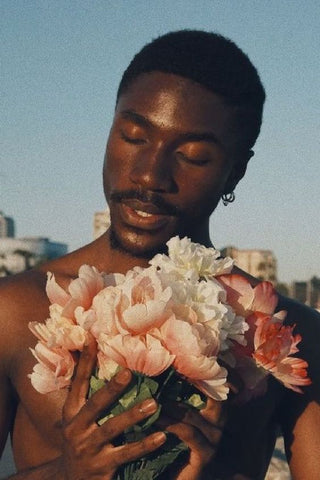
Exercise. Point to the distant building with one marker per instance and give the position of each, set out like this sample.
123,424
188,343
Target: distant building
6,226
19,254
261,264
101,223
307,292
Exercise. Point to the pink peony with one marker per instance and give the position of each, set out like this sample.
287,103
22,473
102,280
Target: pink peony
142,354
107,367
105,309
134,307
274,343
173,313
59,331
54,370
82,290
196,348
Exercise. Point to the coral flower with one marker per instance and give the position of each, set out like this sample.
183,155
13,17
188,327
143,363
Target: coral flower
246,299
274,343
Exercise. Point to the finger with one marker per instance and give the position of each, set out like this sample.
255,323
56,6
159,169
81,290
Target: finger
214,412
212,415
118,424
103,399
133,451
80,385
209,431
202,449
201,452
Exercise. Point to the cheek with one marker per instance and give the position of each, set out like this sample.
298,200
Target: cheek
115,167
201,193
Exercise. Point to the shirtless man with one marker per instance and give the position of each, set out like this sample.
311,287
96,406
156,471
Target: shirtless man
188,113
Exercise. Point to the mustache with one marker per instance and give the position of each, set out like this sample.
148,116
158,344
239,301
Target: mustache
146,197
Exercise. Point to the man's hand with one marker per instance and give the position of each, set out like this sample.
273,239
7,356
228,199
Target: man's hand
200,431
87,448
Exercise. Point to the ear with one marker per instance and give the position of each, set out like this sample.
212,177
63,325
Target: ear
238,171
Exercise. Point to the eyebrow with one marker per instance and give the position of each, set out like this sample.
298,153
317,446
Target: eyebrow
137,118
186,136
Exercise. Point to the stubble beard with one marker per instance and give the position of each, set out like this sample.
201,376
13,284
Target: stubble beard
146,254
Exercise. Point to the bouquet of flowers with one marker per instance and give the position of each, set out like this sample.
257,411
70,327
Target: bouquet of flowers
177,325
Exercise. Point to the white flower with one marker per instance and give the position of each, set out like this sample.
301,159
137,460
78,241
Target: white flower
207,299
191,261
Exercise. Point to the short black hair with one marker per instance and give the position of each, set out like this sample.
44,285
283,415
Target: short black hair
211,60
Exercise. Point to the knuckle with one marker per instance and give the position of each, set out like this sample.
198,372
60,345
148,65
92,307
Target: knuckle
114,387
110,429
208,457
68,411
68,432
93,404
82,376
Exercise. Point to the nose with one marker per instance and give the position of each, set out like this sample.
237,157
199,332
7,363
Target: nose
152,170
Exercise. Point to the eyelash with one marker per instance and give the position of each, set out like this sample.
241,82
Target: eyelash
140,141
192,160
134,141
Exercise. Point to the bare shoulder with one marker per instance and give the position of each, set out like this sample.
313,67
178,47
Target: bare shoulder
23,299
21,296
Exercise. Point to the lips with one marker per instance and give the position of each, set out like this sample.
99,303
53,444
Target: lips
146,207
146,216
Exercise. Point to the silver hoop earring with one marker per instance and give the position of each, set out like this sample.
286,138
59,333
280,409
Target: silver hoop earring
228,198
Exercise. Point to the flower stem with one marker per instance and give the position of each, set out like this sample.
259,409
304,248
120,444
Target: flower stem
165,383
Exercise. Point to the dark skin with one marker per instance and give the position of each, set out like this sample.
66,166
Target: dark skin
173,150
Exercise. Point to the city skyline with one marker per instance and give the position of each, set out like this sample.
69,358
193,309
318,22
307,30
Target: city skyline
62,65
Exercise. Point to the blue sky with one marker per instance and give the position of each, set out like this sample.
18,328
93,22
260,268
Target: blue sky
62,62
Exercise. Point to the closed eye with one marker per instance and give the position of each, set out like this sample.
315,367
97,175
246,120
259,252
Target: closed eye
133,140
194,161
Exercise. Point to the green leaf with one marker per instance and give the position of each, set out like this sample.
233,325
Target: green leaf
156,463
172,451
152,384
128,399
142,475
95,385
196,401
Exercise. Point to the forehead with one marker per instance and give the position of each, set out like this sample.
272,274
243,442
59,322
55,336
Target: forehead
178,104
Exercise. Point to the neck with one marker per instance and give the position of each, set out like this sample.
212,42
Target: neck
109,259
200,234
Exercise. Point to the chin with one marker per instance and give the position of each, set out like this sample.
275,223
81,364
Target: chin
136,245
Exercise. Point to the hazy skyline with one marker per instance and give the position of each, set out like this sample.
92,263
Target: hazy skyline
62,62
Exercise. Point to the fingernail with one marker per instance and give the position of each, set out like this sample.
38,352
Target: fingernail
159,437
123,377
148,406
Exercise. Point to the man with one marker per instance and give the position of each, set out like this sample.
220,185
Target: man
188,112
